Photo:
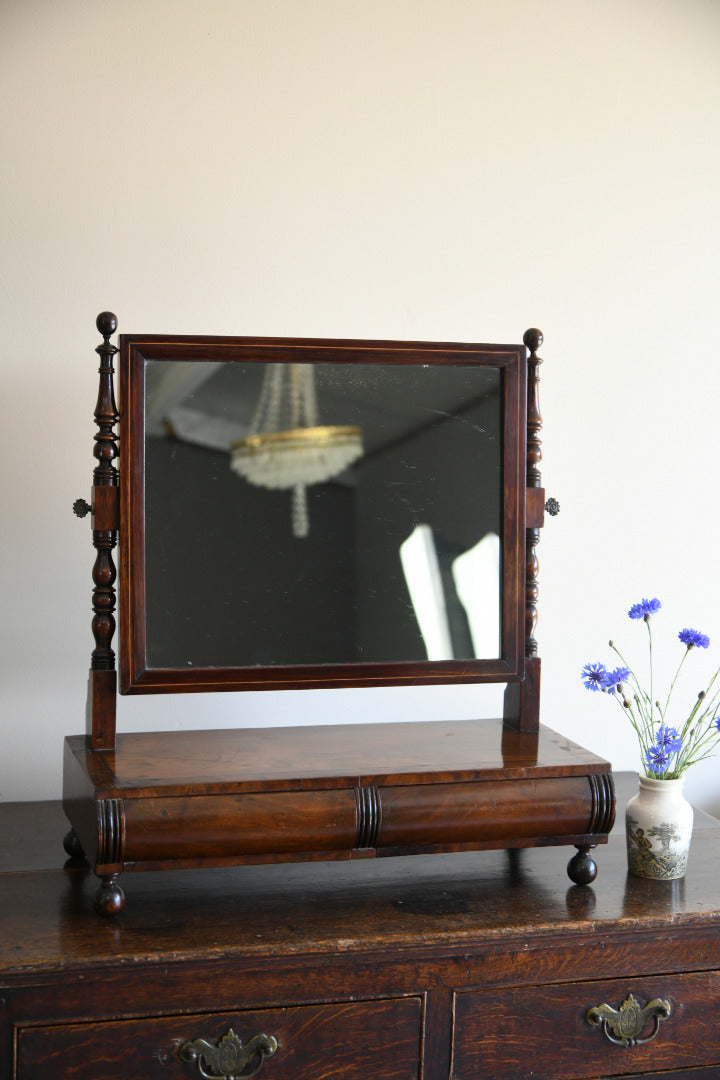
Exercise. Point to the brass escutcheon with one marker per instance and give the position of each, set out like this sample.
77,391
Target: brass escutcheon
624,1026
229,1060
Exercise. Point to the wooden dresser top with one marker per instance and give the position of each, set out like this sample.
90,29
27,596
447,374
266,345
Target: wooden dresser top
448,902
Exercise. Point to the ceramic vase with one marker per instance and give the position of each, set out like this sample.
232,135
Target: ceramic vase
658,827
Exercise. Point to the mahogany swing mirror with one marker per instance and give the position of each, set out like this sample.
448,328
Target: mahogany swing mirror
319,513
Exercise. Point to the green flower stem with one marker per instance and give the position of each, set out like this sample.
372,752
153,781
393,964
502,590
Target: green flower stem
638,726
650,645
663,712
708,706
640,693
705,736
680,770
703,742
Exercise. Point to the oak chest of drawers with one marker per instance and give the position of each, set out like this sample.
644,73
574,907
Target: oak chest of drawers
463,966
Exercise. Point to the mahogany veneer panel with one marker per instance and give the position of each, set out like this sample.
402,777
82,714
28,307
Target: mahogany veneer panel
339,792
330,756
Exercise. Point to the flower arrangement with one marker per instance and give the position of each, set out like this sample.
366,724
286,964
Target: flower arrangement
667,753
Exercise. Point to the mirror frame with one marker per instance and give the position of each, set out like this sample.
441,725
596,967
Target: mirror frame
136,349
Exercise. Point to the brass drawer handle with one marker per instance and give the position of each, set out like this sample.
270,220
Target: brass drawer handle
229,1060
625,1025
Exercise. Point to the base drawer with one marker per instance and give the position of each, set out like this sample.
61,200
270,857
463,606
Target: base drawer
565,1032
337,1042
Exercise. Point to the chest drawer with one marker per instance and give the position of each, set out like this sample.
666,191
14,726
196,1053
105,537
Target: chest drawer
336,1042
565,1032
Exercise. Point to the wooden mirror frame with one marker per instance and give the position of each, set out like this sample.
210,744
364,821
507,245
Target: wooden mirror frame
116,506
137,349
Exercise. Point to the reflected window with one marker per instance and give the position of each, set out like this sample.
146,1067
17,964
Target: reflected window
456,598
418,556
476,574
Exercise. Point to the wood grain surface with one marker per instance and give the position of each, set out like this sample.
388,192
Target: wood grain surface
331,756
440,966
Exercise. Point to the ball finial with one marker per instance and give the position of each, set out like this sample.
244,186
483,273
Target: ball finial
106,323
533,339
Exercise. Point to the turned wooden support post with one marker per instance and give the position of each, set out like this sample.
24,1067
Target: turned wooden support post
533,339
522,700
105,505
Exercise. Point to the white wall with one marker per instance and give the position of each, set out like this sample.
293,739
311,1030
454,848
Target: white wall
454,170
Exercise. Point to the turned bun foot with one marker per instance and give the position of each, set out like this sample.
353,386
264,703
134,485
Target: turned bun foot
582,868
73,847
109,899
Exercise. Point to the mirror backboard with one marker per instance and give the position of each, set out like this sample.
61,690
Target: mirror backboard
320,513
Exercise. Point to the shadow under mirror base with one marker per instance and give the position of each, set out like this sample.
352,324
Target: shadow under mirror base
219,798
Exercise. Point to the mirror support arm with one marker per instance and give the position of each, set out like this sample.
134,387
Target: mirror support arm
533,339
101,704
521,707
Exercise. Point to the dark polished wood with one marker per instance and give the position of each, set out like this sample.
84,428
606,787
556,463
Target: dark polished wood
494,1031
313,1042
522,700
191,799
199,799
105,522
533,339
456,965
137,349
331,756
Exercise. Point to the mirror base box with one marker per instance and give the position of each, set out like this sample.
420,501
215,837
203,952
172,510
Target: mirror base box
198,798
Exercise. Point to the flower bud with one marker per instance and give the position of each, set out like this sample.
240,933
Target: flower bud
701,695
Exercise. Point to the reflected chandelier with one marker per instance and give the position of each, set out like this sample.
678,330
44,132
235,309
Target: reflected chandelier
286,449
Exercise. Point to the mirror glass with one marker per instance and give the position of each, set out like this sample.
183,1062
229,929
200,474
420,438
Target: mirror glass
321,513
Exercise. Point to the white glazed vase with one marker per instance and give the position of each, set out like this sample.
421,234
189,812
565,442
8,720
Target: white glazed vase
658,828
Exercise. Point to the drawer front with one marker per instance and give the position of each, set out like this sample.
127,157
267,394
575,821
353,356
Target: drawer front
334,1042
565,1032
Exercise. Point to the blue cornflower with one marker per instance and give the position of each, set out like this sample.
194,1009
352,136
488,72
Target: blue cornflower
593,676
644,609
716,722
613,679
669,739
694,639
657,759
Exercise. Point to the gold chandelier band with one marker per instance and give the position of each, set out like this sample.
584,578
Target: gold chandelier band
325,434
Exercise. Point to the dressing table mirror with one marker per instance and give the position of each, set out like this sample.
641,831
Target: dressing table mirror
296,513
